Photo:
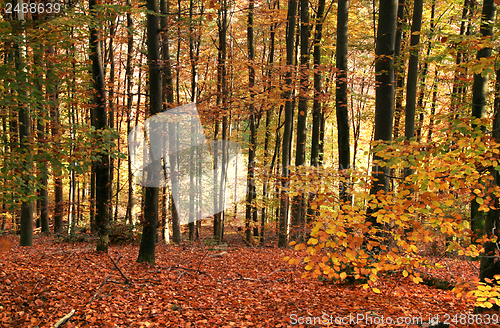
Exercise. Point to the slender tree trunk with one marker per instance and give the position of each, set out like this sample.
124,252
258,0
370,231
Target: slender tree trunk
168,92
287,134
425,71
43,191
316,121
263,215
298,203
480,94
341,96
52,91
222,101
399,70
102,174
458,84
433,105
251,211
411,85
480,87
26,238
150,224
128,77
111,113
194,47
490,266
384,90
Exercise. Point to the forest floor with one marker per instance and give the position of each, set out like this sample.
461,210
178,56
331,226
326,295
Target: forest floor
196,285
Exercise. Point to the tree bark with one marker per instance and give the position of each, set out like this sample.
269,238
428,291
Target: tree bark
384,90
24,119
411,84
102,175
168,101
399,69
128,77
480,94
480,86
287,134
251,211
341,95
490,265
150,224
318,92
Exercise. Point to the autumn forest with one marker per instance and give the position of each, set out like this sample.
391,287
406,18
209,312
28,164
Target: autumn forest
201,163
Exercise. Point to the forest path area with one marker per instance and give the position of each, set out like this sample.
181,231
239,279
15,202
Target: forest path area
195,286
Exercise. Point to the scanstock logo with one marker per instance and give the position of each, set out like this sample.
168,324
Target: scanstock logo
204,176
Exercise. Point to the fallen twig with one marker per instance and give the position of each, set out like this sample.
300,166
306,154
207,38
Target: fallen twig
180,275
127,280
202,258
190,269
279,270
64,319
244,278
104,282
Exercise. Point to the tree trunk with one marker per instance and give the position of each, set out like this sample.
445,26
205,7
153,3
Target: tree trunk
102,183
433,104
287,134
490,266
298,203
150,224
399,70
384,90
480,87
128,77
251,211
341,96
26,238
411,84
263,214
479,97
168,101
43,191
222,96
425,70
316,121
194,47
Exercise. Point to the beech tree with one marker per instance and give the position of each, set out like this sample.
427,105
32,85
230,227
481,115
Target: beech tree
384,88
26,238
150,224
100,122
287,134
411,85
341,93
